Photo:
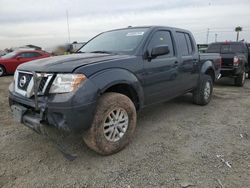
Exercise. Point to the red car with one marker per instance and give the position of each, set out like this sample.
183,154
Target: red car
10,61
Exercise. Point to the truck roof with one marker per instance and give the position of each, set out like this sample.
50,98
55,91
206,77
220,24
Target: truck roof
152,27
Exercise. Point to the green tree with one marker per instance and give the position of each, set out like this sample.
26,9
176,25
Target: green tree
238,30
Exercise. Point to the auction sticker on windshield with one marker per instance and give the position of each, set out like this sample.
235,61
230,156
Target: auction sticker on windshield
130,34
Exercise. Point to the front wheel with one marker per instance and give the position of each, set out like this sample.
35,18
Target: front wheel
240,80
203,93
113,125
2,71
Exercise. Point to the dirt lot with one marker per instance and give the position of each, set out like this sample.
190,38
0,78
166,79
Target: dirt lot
177,144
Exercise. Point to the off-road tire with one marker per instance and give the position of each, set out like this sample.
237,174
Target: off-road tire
240,80
94,137
199,93
2,71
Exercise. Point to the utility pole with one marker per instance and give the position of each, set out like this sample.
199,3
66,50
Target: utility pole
208,30
238,30
67,14
215,37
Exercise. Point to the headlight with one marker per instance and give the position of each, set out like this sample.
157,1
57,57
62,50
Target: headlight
65,83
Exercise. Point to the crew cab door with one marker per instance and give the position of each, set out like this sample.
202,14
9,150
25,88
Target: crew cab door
188,59
161,77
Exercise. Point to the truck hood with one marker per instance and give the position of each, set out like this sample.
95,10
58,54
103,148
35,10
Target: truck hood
67,63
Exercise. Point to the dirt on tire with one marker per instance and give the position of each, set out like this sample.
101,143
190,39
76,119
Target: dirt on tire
94,137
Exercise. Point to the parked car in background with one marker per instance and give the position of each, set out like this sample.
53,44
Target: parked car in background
2,53
10,61
235,59
98,91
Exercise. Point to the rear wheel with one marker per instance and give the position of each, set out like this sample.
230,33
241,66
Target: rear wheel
113,125
2,71
240,80
203,93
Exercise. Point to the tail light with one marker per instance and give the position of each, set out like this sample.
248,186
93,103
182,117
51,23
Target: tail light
236,61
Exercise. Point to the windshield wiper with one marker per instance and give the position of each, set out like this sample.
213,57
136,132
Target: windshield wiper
102,52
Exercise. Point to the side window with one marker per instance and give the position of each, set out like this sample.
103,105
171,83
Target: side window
24,55
189,43
34,54
162,38
29,54
182,42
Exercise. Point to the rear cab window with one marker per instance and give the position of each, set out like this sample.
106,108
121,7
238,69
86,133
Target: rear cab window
226,48
238,48
213,48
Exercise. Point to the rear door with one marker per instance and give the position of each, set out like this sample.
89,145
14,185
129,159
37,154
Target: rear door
161,77
188,61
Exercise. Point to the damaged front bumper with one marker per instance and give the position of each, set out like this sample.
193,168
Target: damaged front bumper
55,116
68,112
63,117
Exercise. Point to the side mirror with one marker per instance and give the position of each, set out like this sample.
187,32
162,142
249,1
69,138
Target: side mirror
159,50
18,57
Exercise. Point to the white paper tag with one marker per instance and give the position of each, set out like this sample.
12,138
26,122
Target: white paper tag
135,34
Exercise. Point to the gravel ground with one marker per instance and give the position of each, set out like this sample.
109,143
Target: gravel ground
176,144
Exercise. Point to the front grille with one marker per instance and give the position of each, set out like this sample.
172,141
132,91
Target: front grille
24,83
42,84
24,80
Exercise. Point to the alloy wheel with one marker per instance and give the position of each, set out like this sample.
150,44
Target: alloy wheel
207,90
115,125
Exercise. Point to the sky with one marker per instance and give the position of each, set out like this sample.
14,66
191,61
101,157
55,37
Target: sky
44,22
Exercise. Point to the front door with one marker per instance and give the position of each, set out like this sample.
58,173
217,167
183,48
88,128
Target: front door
161,75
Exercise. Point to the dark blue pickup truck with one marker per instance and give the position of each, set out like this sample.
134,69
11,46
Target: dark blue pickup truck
98,91
235,60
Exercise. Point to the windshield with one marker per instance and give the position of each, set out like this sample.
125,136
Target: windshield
9,55
123,41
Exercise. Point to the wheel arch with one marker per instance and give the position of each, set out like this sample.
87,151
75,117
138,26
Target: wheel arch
120,81
208,69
